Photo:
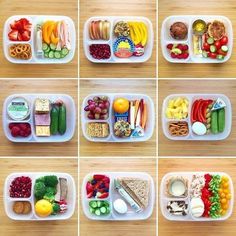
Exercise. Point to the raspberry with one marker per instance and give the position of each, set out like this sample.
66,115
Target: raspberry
185,55
180,46
180,56
15,131
23,126
11,125
169,46
185,47
173,55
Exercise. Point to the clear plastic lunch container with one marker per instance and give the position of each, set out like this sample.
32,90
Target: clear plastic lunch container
164,198
188,20
34,20
148,132
9,201
113,20
70,118
191,136
113,195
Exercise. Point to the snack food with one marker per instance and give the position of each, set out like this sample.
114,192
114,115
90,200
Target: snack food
121,29
98,130
20,51
178,30
216,29
123,47
179,128
178,208
177,186
22,207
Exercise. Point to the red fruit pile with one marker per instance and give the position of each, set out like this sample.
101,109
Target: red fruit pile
21,187
98,187
98,108
20,129
178,51
100,51
20,30
206,194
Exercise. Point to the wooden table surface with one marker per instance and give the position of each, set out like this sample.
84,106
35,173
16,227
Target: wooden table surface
169,228
200,7
117,149
117,8
28,228
35,7
115,228
197,148
9,87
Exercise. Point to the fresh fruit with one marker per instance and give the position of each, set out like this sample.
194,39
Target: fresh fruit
43,208
100,51
98,186
20,30
99,30
21,187
138,33
121,105
20,129
177,108
179,51
98,108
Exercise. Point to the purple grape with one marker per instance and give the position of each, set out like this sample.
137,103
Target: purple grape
90,101
97,110
91,116
106,104
102,106
104,111
92,107
104,116
97,116
86,108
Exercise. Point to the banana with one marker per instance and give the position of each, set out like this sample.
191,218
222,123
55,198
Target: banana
137,33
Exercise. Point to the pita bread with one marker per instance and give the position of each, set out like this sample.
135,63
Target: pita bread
138,189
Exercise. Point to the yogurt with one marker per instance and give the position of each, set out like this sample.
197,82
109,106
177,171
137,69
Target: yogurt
120,206
18,108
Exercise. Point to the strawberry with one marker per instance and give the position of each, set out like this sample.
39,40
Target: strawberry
26,36
106,185
104,195
99,177
90,195
106,180
13,35
89,187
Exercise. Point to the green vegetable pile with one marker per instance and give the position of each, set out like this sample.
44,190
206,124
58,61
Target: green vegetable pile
46,188
214,186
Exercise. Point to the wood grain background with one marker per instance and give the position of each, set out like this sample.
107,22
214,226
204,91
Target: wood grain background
35,7
197,148
147,87
28,228
16,86
170,228
192,7
117,8
115,228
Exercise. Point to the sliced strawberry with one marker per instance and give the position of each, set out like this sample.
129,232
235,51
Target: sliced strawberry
90,195
18,26
19,37
89,187
99,177
13,26
106,180
104,195
13,35
26,36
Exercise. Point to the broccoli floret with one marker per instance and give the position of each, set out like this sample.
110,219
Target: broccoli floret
56,208
41,179
39,190
50,197
51,180
51,190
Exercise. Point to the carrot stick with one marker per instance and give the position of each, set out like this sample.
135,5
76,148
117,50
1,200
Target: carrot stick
144,115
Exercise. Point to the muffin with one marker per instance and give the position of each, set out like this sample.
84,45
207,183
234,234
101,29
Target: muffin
178,30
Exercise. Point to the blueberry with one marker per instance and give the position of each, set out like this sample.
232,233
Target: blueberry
94,193
102,185
93,182
106,190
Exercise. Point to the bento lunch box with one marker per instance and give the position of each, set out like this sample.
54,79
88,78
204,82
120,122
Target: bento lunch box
191,136
149,129
164,199
188,20
113,20
8,201
37,19
113,195
70,118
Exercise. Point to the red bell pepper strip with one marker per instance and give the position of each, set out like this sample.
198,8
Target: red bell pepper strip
193,117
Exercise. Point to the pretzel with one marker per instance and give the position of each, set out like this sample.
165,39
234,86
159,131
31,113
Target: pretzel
20,51
179,128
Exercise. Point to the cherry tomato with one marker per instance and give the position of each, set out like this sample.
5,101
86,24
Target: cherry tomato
212,55
206,46
222,52
217,44
224,40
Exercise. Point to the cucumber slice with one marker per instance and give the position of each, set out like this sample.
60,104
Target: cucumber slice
53,46
108,210
93,204
205,54
224,48
99,203
97,212
46,54
210,40
57,54
44,46
51,54
103,210
213,48
220,57
64,51
91,210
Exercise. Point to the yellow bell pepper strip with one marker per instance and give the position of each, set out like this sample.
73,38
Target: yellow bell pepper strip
45,29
